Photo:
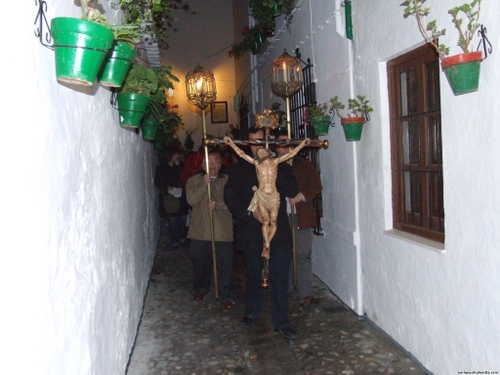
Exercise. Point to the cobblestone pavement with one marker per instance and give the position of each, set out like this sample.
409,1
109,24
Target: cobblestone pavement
178,335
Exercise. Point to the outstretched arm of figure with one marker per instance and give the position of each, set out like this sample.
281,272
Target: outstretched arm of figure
238,150
294,151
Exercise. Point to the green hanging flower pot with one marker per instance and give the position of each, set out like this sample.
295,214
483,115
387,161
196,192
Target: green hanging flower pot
149,129
462,71
117,64
321,125
353,126
80,48
277,9
131,108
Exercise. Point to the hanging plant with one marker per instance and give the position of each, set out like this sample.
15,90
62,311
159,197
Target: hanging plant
254,40
353,123
157,16
265,11
462,70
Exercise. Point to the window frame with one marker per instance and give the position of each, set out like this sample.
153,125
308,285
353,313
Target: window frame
425,116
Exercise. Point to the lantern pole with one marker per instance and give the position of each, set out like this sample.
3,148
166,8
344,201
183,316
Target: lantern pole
201,91
285,82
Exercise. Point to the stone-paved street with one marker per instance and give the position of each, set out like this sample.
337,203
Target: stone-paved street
181,336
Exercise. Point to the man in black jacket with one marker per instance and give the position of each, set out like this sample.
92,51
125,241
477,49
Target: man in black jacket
238,194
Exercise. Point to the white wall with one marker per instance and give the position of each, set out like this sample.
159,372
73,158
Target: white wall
439,305
204,38
78,214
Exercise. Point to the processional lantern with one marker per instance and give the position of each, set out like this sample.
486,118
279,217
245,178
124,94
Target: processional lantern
200,87
286,80
286,75
201,91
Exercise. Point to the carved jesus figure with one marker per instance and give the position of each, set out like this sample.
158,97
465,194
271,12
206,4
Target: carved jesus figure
266,198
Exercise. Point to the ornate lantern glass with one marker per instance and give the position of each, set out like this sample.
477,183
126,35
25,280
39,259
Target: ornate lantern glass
200,87
286,75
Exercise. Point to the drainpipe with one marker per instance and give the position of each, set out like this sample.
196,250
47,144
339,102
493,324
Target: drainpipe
356,236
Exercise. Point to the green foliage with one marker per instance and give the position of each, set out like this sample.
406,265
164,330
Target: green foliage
140,80
255,34
165,77
359,106
92,14
158,16
130,34
465,37
431,32
315,111
263,11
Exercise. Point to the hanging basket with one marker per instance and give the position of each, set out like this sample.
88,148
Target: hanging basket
117,64
131,108
321,125
462,71
353,126
80,48
149,129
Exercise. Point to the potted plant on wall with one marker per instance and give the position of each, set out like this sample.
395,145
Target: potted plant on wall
120,56
317,116
462,70
80,45
163,115
353,123
133,97
157,16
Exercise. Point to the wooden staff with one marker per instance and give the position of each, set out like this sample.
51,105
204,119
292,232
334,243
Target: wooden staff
209,191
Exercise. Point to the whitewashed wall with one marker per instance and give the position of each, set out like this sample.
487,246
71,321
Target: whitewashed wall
441,306
78,214
203,38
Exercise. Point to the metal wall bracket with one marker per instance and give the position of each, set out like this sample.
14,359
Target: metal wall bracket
483,40
41,20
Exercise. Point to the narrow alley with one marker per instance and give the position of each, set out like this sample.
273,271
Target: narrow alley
178,335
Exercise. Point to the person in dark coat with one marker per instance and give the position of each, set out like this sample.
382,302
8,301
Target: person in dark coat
305,219
173,205
238,194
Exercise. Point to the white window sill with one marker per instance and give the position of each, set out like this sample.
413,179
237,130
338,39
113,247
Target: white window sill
438,247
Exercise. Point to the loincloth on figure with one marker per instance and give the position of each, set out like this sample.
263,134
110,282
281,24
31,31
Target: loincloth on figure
269,200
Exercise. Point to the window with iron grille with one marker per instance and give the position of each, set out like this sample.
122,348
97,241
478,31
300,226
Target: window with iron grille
417,172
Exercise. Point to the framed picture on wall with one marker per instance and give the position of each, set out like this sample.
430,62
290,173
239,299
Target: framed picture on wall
219,112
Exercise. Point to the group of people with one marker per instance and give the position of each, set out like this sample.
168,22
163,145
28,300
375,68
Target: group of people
255,197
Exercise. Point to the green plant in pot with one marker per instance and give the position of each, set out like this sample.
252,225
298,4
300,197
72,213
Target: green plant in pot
317,116
81,45
120,56
462,70
133,97
157,16
266,10
254,40
167,115
359,114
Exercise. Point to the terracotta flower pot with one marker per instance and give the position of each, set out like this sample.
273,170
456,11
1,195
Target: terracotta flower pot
462,71
353,126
